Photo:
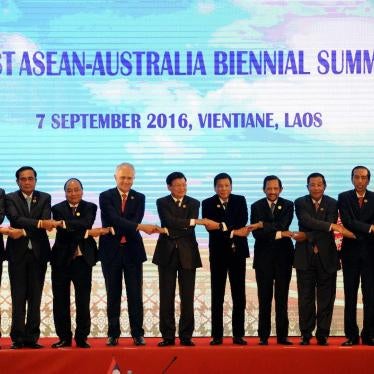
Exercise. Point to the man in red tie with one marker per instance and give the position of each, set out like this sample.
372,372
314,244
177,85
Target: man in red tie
122,254
357,214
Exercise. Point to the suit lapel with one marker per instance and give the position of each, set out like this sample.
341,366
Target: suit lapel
267,210
34,202
23,204
354,203
278,208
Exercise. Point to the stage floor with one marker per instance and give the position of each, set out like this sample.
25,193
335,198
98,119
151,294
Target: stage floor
202,358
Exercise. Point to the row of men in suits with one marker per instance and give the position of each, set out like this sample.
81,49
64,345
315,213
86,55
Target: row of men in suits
225,216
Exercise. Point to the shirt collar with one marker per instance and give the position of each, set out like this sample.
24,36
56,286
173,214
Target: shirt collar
272,202
26,196
123,193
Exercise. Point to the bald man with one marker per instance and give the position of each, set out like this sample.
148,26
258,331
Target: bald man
74,253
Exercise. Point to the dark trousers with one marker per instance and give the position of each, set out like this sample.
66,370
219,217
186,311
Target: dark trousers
80,273
26,285
310,282
1,273
353,271
273,278
132,273
235,267
167,285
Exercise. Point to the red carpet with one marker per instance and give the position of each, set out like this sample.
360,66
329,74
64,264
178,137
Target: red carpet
199,359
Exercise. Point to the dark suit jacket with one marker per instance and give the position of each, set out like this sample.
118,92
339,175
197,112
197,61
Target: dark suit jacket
123,224
235,216
181,234
2,215
20,218
316,226
67,240
267,249
358,220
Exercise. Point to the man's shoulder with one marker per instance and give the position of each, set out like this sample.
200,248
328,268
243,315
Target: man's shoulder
210,200
109,191
136,194
259,202
12,195
237,198
41,194
191,200
87,204
345,194
59,205
329,199
302,199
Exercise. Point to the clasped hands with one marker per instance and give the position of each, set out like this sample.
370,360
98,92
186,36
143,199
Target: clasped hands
12,232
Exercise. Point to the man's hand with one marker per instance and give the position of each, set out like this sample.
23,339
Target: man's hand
255,226
98,231
337,228
160,230
348,234
147,228
243,231
15,233
299,236
286,234
210,224
4,230
49,224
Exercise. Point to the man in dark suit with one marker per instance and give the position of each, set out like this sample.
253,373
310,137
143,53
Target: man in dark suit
227,255
74,254
123,253
357,214
177,254
273,258
316,259
29,213
3,230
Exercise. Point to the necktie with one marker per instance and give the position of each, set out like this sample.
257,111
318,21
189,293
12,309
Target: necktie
272,207
316,207
77,250
124,198
360,201
28,201
224,205
178,202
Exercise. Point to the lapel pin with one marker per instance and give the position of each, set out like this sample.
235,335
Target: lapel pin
365,201
183,206
132,197
77,214
219,206
321,209
279,207
34,201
